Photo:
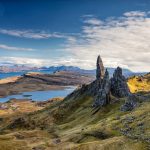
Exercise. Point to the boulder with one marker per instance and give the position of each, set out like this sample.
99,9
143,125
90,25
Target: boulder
119,87
130,103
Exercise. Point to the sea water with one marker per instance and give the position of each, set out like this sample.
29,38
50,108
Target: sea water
40,95
12,74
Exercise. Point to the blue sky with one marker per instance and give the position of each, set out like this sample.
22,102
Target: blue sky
74,32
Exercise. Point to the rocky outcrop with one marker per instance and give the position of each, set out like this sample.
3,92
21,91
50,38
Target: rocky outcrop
95,86
103,96
130,103
103,87
119,87
100,71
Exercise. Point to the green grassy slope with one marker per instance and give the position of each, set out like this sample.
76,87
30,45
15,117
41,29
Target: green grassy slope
70,124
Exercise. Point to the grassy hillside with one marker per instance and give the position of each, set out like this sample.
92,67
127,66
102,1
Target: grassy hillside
70,124
139,83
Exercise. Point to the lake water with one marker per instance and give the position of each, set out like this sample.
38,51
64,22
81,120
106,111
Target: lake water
40,95
36,95
12,74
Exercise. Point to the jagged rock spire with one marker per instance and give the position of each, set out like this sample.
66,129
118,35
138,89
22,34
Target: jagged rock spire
119,87
103,96
118,73
130,103
100,68
106,80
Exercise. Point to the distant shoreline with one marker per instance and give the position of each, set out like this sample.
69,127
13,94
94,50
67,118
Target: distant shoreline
41,82
4,75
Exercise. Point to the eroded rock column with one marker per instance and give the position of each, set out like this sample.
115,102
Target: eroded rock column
119,87
100,71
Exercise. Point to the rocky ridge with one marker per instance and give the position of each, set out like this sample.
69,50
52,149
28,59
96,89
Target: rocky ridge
104,88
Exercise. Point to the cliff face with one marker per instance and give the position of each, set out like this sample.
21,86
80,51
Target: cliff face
103,95
104,88
100,71
119,87
115,86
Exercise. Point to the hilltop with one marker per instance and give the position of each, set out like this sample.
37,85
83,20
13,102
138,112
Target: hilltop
89,118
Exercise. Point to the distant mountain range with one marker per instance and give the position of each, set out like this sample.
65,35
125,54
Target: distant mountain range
126,72
15,68
6,68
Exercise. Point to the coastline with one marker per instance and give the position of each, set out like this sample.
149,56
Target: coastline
32,81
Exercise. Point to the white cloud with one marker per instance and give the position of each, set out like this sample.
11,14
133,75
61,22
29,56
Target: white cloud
122,41
42,62
31,34
22,61
6,47
93,21
135,14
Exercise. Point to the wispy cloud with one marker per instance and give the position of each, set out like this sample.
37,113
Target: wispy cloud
6,47
122,41
22,61
40,62
93,21
31,34
135,14
87,15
